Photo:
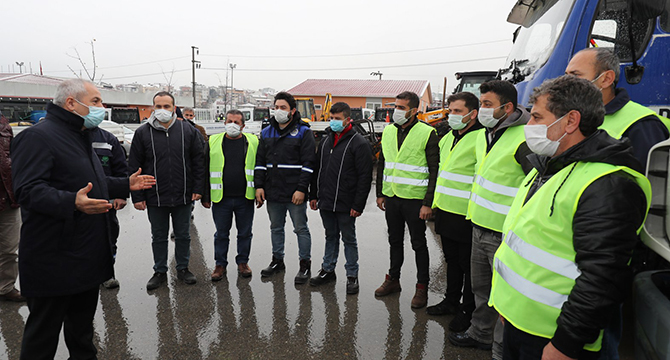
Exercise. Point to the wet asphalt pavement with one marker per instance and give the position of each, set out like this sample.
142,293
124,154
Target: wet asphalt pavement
254,318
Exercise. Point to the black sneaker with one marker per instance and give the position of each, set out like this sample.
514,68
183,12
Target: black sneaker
275,266
322,277
156,280
305,271
443,308
186,276
464,340
352,285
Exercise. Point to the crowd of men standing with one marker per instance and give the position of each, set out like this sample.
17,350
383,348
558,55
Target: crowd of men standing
538,213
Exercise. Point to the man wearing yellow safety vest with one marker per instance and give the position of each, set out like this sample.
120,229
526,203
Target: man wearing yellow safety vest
454,183
562,268
501,166
406,176
231,160
623,117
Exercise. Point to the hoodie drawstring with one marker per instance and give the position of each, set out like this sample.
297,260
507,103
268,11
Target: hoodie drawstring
553,200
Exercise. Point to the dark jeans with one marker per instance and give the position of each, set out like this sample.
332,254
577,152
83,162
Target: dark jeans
335,223
612,336
223,212
159,217
519,345
398,212
74,313
114,230
277,214
457,257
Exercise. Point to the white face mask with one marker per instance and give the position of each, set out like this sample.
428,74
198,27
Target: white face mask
281,116
486,116
233,130
399,117
163,115
537,141
456,121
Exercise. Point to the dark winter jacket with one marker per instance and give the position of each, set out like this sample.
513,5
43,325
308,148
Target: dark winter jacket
62,251
285,159
605,225
7,199
174,156
110,153
644,133
343,172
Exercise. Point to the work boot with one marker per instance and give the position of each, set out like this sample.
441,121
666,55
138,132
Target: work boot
244,270
420,298
443,308
219,271
464,340
389,286
156,280
305,271
13,295
111,283
352,285
186,276
322,277
275,266
461,321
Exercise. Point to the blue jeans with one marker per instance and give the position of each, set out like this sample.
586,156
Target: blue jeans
159,217
222,212
335,223
277,214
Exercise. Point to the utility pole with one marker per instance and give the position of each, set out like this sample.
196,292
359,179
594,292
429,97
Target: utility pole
194,64
377,73
232,86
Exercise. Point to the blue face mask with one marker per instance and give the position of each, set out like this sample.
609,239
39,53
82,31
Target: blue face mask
94,117
337,125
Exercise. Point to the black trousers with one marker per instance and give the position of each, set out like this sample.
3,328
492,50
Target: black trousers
48,314
456,236
519,345
398,212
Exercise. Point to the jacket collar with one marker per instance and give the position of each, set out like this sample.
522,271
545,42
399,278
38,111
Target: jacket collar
72,120
621,98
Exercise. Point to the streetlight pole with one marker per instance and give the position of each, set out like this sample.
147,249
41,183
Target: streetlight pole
232,86
20,64
377,73
194,64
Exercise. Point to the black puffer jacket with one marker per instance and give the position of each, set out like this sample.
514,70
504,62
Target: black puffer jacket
285,159
62,251
343,172
605,226
175,156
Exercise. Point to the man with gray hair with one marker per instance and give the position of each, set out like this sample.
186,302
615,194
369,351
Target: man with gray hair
65,241
563,265
623,117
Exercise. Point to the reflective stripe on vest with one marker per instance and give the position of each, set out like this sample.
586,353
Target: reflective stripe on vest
217,161
498,178
534,267
406,170
457,173
618,123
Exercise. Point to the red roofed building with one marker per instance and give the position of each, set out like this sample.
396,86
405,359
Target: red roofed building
369,94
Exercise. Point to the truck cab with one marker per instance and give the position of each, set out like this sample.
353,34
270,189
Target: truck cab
551,32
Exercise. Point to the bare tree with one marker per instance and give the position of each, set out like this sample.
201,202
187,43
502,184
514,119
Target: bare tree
168,80
89,73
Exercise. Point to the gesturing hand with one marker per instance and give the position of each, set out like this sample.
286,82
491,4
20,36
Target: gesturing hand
90,206
141,182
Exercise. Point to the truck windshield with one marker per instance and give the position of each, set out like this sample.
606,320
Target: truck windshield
541,25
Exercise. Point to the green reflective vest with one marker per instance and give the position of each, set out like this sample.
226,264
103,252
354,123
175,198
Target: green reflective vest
497,180
406,169
216,162
534,267
457,173
618,123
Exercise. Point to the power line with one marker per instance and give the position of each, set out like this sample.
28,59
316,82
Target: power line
359,54
366,67
128,65
143,75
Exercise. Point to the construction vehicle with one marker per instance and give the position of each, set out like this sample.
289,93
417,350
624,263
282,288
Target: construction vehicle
306,108
638,31
471,80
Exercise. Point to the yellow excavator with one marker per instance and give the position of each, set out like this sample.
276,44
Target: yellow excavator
306,108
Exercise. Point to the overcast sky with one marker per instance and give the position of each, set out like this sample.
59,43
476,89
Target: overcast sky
275,44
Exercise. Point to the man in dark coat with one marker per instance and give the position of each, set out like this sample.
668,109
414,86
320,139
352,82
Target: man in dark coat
10,220
172,151
339,190
65,245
